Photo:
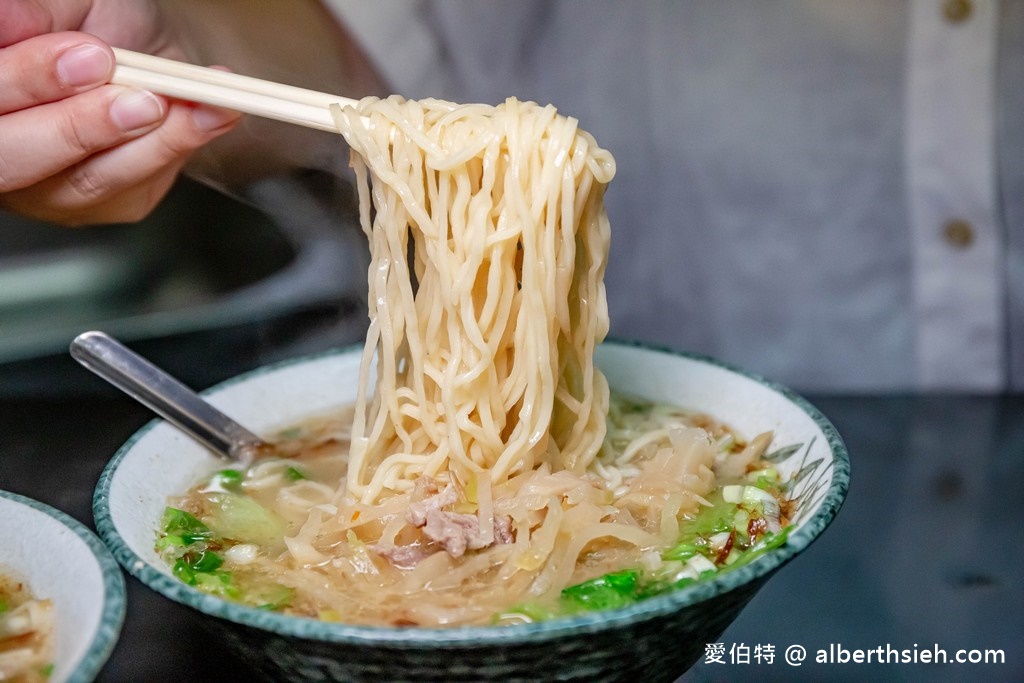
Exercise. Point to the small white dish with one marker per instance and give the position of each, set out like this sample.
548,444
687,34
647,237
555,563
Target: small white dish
62,561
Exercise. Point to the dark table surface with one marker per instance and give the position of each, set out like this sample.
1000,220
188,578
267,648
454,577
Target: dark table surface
926,554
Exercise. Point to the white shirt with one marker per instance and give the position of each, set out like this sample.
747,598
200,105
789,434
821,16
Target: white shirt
823,192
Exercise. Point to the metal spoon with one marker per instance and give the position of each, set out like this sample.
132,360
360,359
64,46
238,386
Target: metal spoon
169,398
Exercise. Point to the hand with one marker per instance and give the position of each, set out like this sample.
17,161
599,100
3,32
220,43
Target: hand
73,148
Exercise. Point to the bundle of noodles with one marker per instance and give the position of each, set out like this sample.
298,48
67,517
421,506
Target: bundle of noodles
488,241
480,468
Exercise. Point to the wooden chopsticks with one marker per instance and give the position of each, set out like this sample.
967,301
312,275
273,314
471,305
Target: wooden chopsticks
223,89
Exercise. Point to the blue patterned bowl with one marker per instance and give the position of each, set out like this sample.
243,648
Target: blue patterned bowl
61,560
653,640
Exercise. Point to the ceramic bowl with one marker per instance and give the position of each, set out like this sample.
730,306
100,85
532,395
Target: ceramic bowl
653,640
61,560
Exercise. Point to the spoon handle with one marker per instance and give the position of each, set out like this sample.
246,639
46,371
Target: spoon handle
169,398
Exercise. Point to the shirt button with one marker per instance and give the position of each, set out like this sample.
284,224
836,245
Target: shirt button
957,11
958,233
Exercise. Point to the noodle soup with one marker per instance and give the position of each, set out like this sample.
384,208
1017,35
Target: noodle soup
26,633
652,639
672,498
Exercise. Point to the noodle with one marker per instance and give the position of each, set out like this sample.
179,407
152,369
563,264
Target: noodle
484,338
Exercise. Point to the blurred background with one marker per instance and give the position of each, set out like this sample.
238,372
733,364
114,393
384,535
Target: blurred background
207,286
766,151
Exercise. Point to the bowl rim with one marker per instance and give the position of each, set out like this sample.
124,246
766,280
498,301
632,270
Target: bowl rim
476,636
114,596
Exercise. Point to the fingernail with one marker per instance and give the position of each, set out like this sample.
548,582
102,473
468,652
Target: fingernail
134,109
84,65
207,119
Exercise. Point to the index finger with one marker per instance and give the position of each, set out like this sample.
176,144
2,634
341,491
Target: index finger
51,67
24,19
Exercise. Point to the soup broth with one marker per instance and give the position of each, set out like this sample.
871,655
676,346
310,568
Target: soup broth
672,498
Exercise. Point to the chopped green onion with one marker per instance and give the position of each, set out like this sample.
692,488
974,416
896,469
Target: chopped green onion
683,551
183,572
294,474
777,540
191,565
206,561
228,479
184,525
605,592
